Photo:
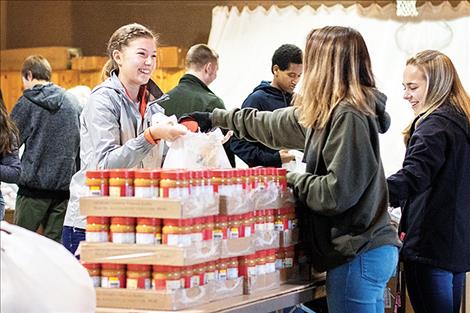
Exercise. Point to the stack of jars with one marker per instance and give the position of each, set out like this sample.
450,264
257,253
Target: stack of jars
161,277
260,263
285,219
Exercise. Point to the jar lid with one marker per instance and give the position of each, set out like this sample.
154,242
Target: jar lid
255,171
196,173
121,173
174,174
122,220
147,221
221,218
113,266
241,171
92,266
97,173
172,222
222,173
97,219
144,173
138,267
281,171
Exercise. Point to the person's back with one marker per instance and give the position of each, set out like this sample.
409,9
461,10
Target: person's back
192,92
48,121
269,96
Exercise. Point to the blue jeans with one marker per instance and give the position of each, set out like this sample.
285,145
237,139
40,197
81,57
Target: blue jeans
432,289
71,237
358,286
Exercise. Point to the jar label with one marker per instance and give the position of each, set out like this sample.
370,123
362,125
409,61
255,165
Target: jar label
260,270
247,231
232,273
158,238
96,281
195,281
110,282
145,192
197,237
123,237
269,226
144,238
209,276
94,191
138,283
96,236
222,275
233,233
251,270
217,234
279,264
278,226
172,240
288,262
173,284
270,267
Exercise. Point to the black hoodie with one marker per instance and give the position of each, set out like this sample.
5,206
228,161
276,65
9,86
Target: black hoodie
48,119
433,189
264,98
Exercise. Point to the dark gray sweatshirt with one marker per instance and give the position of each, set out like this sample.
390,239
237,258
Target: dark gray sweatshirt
48,119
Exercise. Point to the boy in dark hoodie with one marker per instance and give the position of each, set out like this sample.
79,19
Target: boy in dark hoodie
269,96
48,120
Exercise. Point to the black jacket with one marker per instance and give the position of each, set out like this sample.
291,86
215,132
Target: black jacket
433,189
264,98
48,119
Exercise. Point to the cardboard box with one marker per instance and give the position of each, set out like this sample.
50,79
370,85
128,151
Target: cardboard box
153,299
227,289
171,57
106,252
141,207
235,205
237,247
88,64
59,57
266,240
254,284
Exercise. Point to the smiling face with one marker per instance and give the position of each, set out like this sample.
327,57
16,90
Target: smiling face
136,62
414,84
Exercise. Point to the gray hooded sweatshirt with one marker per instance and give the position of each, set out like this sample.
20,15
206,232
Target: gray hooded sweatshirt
48,119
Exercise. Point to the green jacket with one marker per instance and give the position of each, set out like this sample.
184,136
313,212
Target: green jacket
191,95
342,199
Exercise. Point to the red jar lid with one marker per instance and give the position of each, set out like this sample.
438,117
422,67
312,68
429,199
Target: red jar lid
97,174
146,221
92,266
97,220
143,173
138,267
281,171
122,220
251,256
197,173
174,174
222,173
248,215
172,222
121,173
255,171
113,266
209,219
156,173
242,172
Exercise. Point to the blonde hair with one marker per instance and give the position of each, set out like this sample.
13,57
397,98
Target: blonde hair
120,39
443,85
199,55
337,68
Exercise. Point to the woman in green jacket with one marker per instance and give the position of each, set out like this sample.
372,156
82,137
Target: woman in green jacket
342,198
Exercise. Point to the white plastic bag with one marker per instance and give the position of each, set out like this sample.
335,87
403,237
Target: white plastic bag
40,275
197,150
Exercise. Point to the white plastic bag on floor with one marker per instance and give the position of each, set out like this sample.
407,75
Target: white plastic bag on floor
197,150
40,275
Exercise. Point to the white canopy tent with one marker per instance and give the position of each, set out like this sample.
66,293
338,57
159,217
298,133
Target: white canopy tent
246,40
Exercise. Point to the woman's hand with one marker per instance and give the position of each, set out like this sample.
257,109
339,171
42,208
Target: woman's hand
167,131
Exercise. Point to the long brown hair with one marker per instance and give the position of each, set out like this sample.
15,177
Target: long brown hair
8,130
443,85
121,38
337,68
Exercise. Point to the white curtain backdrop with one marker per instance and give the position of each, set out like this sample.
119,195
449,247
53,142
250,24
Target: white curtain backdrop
246,41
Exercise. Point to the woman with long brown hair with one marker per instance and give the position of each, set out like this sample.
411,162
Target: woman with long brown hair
10,166
342,198
433,187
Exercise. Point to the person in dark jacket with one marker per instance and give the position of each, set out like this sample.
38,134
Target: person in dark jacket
342,198
10,167
48,119
192,92
268,96
433,187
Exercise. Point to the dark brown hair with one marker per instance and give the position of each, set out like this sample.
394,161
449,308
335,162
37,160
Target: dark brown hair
8,130
38,66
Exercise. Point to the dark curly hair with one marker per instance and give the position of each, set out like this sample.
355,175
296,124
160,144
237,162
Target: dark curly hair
286,54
